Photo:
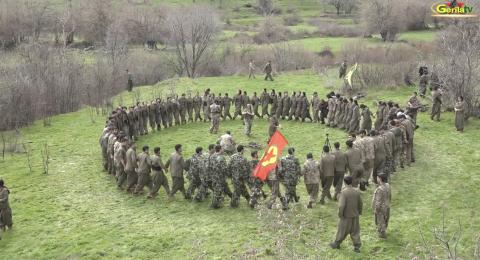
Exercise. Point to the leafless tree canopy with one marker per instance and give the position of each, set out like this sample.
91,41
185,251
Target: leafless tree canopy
193,30
458,66
345,6
389,17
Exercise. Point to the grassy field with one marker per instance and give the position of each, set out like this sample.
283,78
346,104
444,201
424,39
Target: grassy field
76,211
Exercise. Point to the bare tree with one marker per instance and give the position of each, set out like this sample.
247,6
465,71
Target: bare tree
45,158
449,242
3,145
27,151
265,7
116,49
23,21
193,30
66,24
458,65
95,19
145,23
383,16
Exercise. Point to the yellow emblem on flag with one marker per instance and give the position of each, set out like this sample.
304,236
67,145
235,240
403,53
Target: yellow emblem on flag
348,77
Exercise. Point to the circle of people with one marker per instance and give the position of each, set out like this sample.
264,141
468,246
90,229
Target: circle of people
374,150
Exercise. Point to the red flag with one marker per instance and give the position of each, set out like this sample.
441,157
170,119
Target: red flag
270,157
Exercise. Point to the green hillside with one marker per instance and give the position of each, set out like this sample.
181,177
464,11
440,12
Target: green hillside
76,211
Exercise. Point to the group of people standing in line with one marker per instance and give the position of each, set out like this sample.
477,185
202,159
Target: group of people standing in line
374,151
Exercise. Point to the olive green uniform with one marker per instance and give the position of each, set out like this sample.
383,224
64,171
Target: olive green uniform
350,208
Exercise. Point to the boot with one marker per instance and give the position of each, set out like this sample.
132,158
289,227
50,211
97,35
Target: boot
284,203
334,245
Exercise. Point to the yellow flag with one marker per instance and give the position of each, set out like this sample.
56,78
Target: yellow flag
348,77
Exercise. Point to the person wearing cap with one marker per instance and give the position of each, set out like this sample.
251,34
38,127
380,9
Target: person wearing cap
381,204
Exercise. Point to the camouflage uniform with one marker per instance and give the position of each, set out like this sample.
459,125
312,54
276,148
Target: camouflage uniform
274,185
195,168
206,177
237,100
104,146
219,179
336,115
215,114
397,152
379,119
366,121
369,157
119,160
311,175
355,119
248,121
290,171
240,170
255,185
331,112
381,208
389,139
110,152
380,156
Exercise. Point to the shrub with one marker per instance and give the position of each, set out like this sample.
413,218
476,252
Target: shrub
335,30
292,19
272,31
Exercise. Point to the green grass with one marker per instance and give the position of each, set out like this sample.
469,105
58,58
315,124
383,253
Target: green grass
303,28
76,211
426,36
